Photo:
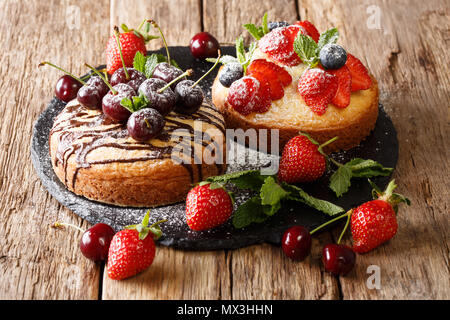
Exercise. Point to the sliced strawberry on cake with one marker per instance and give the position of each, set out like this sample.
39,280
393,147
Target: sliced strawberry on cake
360,76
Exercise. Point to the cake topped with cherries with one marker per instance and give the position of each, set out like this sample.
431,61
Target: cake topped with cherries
295,79
137,133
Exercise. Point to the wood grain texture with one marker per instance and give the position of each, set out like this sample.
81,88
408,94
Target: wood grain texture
37,262
412,70
406,54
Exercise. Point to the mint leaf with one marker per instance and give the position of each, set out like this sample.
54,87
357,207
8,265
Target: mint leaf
249,212
306,48
297,194
271,192
265,24
256,32
150,65
240,50
362,168
250,179
139,61
329,36
340,180
135,103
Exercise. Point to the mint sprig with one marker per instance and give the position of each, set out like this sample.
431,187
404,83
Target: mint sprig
258,31
139,62
308,50
135,103
340,181
269,198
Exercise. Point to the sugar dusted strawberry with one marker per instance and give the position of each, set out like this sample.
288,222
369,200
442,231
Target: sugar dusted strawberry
275,87
271,69
310,29
279,45
342,97
247,95
375,222
207,207
360,76
317,87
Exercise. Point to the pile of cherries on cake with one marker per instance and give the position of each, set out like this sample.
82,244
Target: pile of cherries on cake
162,92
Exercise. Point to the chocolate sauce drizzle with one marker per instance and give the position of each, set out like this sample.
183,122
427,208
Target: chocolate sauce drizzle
82,131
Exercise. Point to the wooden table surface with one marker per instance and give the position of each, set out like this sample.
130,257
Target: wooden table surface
404,43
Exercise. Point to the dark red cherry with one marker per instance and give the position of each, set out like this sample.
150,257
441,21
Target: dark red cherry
111,102
189,98
67,88
95,241
296,243
97,82
166,73
145,124
135,78
89,96
338,259
203,45
163,101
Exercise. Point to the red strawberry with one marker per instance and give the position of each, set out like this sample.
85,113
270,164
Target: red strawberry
248,95
302,160
132,251
342,97
272,71
279,45
318,88
130,44
275,87
310,29
360,76
207,208
375,222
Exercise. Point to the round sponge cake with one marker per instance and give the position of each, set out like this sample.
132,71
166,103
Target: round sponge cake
290,115
96,158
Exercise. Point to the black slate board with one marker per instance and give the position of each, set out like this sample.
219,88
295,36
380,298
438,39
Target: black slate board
381,146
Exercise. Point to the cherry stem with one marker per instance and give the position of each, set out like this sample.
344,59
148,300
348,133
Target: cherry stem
188,73
147,123
331,221
102,77
154,24
345,228
209,71
117,34
60,69
63,224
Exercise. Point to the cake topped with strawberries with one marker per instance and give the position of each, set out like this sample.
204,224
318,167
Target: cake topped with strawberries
292,78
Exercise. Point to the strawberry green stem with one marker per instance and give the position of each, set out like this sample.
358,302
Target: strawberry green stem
209,71
162,37
102,77
60,69
188,73
141,25
158,222
389,190
117,34
327,143
63,224
331,221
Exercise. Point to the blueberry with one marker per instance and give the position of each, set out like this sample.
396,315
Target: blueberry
332,56
277,24
230,73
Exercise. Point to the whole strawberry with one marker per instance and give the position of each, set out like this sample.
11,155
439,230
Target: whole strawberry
375,222
207,206
132,250
131,41
302,160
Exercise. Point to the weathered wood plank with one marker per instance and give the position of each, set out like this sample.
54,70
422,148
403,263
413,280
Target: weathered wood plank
37,262
406,55
224,19
178,19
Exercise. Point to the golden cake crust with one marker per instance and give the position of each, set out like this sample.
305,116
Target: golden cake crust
290,115
96,158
